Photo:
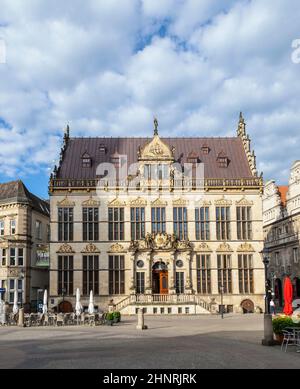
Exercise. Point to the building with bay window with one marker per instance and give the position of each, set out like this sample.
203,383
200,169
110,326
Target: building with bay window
163,223
24,244
281,222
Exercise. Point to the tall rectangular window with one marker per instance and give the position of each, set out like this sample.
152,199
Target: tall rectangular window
1,227
244,223
223,223
296,254
15,284
65,224
20,256
224,273
90,274
140,282
137,220
180,222
38,229
203,273
116,223
245,264
3,257
90,227
158,219
12,256
202,223
65,275
179,282
116,265
12,224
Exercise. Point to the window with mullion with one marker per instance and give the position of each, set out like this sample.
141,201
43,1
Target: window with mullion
224,272
202,223
116,223
65,274
140,282
116,277
158,219
223,223
90,274
90,217
137,220
65,224
179,282
245,265
180,222
244,223
203,273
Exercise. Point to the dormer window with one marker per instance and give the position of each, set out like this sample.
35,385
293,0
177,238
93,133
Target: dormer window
205,149
222,159
86,160
102,149
116,159
192,157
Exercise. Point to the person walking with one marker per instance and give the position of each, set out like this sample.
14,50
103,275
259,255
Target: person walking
272,307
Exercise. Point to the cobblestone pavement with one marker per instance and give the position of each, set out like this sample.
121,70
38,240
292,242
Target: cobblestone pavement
170,342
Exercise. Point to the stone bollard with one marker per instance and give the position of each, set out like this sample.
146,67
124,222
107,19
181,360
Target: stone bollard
21,317
268,339
141,325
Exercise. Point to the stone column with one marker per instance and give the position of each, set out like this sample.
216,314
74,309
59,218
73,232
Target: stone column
172,274
148,289
188,282
133,275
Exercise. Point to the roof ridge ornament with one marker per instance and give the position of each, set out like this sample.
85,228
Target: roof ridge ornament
155,121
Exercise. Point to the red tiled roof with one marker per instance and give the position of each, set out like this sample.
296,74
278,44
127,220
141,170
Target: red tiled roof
238,167
283,191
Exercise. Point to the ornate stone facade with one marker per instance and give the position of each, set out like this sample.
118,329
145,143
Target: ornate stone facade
281,218
147,224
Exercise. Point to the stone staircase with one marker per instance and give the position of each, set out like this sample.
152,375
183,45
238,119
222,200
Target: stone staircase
164,303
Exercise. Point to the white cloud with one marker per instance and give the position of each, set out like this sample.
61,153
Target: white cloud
108,67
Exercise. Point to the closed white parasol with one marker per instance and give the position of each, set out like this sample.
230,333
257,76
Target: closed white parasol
91,303
15,307
78,306
45,302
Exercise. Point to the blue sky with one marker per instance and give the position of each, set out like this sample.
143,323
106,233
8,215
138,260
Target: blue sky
107,67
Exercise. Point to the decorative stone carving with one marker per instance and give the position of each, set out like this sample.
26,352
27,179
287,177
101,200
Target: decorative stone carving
159,241
117,248
138,202
156,149
159,203
66,203
117,203
90,248
245,247
90,203
65,249
224,248
180,202
203,203
203,247
223,202
244,202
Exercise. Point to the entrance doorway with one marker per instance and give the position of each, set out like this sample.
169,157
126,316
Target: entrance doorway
160,278
65,307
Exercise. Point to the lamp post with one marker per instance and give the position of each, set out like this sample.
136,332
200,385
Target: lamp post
222,306
268,339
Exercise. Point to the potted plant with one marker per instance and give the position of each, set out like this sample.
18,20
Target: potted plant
117,316
109,318
279,324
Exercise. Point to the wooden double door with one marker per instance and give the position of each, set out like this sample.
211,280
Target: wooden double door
160,282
